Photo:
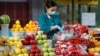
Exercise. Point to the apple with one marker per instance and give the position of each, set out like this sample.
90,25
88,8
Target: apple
32,42
32,37
33,51
44,41
20,54
18,51
24,50
58,53
65,52
44,49
19,45
51,54
25,54
31,54
16,38
25,42
37,50
33,47
44,37
46,54
37,54
38,37
50,49
40,42
27,38
40,32
46,45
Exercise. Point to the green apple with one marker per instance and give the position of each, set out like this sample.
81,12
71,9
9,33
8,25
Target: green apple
40,32
46,54
38,37
44,41
44,50
50,49
44,37
46,45
51,54
40,41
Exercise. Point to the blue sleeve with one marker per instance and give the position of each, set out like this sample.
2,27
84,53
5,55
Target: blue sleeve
42,24
59,21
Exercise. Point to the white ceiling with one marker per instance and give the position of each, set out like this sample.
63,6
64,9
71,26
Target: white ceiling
13,0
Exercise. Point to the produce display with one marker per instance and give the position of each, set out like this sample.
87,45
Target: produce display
76,40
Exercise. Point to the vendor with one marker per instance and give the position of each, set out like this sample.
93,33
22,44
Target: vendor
49,19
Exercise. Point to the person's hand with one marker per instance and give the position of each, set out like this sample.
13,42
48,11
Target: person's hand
53,27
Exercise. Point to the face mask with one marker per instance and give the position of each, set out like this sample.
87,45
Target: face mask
52,12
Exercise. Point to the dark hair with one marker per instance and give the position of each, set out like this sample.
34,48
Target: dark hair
49,4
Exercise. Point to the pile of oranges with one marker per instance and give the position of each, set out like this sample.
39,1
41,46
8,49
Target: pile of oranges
31,27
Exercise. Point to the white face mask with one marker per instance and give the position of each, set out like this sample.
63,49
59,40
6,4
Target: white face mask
52,12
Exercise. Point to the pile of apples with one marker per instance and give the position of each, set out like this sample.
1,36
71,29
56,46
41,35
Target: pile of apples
20,50
32,26
13,41
79,29
17,27
63,48
34,51
47,50
29,40
41,38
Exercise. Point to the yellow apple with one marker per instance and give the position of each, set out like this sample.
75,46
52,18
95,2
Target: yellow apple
19,45
25,54
21,55
16,38
11,39
18,51
11,43
24,50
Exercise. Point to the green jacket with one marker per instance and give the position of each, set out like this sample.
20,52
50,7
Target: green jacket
45,23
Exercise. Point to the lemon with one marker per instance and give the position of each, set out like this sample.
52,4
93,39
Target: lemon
18,26
21,29
17,22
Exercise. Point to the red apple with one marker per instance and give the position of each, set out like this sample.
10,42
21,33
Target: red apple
65,52
33,51
37,51
58,53
32,37
31,54
33,47
27,38
32,42
37,54
25,42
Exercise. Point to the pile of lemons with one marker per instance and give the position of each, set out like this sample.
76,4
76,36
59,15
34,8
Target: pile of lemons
17,27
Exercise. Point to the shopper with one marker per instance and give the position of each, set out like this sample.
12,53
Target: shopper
49,19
